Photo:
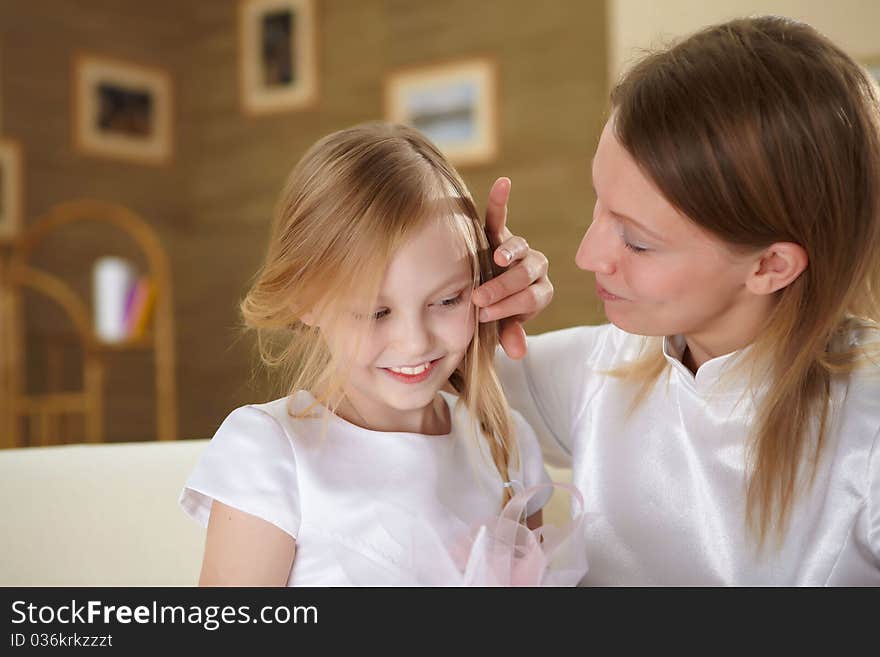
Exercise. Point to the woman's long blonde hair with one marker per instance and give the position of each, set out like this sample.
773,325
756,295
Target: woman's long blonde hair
762,130
353,199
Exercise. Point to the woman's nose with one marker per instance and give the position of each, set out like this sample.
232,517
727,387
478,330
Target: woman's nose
597,252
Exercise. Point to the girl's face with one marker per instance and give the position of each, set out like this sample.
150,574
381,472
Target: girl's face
657,272
424,323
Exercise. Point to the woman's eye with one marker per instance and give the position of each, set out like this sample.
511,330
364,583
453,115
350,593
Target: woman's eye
379,314
634,248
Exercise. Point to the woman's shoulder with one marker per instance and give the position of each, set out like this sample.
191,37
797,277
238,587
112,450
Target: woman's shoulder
602,345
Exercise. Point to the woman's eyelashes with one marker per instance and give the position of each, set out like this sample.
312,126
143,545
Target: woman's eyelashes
635,249
628,243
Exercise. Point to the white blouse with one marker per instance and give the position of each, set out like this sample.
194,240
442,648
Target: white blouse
668,484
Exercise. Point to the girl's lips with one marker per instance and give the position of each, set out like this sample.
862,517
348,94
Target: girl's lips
606,295
413,378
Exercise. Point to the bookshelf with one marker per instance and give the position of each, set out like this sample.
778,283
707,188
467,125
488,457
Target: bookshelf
44,415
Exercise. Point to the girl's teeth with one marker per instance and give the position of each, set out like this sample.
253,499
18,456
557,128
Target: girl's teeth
410,370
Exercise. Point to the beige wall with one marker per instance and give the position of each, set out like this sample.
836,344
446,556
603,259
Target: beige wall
213,204
635,24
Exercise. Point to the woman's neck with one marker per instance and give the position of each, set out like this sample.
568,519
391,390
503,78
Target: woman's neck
719,339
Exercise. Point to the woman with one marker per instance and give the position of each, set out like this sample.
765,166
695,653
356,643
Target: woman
724,426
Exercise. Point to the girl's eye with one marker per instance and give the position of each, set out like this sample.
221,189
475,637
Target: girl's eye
379,314
451,301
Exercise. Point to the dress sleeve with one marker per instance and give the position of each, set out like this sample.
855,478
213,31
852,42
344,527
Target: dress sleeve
551,385
249,465
531,463
873,504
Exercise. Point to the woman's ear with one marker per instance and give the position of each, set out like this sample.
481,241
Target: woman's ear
779,265
308,318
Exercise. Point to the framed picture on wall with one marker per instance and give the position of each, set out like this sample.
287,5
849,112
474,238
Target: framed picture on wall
872,64
122,110
454,104
11,186
277,55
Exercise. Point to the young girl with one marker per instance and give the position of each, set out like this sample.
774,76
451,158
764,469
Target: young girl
738,222
395,438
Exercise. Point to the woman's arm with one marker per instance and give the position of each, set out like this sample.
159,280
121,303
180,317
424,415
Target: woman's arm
243,550
535,520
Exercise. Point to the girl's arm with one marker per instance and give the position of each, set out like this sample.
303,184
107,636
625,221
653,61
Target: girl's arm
243,550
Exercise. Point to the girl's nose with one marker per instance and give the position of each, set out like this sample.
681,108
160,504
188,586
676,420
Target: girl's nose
597,252
414,338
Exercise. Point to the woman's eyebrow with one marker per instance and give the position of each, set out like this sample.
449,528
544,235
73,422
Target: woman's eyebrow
638,225
635,223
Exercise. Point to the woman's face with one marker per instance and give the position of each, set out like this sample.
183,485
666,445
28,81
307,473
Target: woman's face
657,272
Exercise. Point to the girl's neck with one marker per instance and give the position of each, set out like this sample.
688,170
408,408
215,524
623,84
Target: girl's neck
432,420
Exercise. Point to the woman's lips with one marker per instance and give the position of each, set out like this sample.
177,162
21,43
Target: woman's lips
413,378
606,295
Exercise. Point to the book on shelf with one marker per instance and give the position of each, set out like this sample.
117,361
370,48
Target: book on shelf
139,311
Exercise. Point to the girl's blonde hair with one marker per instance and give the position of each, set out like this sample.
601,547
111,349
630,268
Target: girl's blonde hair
353,199
762,130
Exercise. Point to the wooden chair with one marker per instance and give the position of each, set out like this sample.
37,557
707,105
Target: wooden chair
46,412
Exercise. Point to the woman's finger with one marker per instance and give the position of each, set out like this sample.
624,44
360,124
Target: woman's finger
496,212
510,250
522,305
512,338
517,278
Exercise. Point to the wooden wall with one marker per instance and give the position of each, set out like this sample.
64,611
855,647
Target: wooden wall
213,203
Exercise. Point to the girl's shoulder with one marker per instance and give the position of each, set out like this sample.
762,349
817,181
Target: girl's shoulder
276,417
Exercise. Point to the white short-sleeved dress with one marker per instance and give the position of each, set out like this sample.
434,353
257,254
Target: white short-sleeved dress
365,507
667,484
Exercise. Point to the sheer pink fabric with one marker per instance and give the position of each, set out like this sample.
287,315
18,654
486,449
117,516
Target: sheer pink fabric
500,552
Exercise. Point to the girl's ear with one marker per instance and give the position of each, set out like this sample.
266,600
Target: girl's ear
308,318
780,264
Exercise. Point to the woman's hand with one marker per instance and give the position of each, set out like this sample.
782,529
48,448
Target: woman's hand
524,289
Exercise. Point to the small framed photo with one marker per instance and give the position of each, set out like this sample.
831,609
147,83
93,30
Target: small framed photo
454,104
122,110
872,64
11,196
277,55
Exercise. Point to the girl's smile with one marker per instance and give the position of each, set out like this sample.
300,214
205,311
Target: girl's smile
413,373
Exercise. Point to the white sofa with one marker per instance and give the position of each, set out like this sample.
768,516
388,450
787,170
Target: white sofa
98,515
107,515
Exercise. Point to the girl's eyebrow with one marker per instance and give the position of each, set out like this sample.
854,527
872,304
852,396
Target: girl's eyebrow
464,279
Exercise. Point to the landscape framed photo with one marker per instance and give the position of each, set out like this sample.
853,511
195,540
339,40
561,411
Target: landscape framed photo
11,190
278,69
455,104
872,64
122,110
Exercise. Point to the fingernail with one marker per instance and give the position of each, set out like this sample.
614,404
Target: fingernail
484,315
508,256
